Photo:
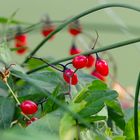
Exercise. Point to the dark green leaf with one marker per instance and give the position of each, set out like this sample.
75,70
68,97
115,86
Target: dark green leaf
115,113
7,110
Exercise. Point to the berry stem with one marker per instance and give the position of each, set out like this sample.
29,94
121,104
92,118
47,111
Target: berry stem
136,128
15,97
60,27
49,64
112,46
25,116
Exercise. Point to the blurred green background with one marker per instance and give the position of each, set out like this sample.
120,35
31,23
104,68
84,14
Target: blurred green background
113,25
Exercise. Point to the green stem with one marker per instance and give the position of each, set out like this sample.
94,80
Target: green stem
112,46
13,93
136,128
59,28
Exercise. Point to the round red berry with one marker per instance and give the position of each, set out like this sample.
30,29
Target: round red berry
75,31
28,107
79,61
70,77
102,67
74,50
91,61
98,75
47,30
32,120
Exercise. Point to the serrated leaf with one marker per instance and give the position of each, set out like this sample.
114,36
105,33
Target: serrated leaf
7,110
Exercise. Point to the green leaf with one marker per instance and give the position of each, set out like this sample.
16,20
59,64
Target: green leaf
4,20
115,113
50,105
5,56
68,128
7,110
49,123
95,85
44,80
96,101
129,128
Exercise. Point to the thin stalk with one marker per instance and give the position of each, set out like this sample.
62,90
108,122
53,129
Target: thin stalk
15,97
136,128
59,28
112,46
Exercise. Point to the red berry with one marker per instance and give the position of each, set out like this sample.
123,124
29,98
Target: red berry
21,38
70,77
47,30
80,61
102,67
91,61
75,28
74,50
21,41
30,121
98,75
75,31
28,107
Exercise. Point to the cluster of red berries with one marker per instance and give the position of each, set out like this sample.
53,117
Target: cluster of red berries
81,61
101,69
29,107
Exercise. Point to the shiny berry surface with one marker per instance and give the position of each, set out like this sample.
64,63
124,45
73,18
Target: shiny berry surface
98,75
80,61
28,107
102,67
32,120
69,77
91,61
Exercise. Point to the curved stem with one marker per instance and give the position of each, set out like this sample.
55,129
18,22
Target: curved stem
112,46
136,128
59,28
13,93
